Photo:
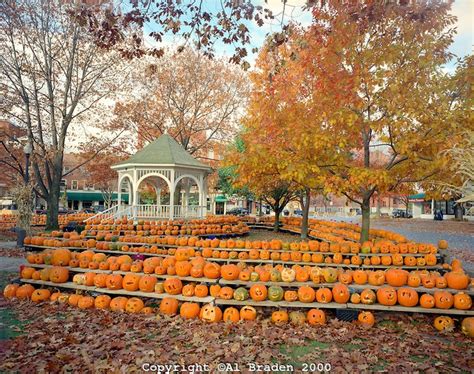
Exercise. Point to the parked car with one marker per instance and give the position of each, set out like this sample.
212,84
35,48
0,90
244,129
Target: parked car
298,212
238,211
400,213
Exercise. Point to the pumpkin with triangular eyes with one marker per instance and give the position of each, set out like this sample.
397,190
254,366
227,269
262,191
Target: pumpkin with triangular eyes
210,313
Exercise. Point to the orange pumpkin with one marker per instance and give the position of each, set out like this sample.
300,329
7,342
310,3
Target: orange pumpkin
258,292
340,293
189,310
169,306
231,314
407,297
443,299
173,286
316,317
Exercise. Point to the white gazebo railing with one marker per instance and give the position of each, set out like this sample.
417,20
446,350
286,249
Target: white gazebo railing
143,211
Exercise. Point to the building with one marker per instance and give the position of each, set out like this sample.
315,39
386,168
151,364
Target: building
80,189
424,207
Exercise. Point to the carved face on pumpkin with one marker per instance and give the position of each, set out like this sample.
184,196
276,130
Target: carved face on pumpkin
211,313
114,281
134,305
366,319
316,317
444,323
367,296
387,296
279,317
248,313
173,286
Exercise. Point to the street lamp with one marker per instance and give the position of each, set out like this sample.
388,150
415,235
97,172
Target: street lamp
27,150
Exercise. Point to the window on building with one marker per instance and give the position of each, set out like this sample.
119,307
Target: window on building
74,185
88,185
63,185
450,207
67,168
426,207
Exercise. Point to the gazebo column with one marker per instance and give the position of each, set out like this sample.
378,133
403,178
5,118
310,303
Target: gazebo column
203,196
172,190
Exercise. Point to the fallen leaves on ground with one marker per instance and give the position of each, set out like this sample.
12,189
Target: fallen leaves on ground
57,338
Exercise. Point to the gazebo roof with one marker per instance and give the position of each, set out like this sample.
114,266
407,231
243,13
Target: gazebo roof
163,151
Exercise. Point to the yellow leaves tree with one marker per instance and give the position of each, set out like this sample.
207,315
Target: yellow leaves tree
365,77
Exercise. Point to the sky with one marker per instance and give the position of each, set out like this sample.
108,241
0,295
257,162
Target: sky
293,10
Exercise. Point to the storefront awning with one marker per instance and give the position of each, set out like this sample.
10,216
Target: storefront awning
221,199
417,198
92,196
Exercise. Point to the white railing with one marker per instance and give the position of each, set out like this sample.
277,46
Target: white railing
151,211
106,214
190,211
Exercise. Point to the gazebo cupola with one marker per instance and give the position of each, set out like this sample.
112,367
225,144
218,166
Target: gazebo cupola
179,180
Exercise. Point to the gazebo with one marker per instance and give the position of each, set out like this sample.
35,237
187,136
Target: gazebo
179,182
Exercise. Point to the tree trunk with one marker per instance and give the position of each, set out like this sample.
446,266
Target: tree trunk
53,204
364,235
458,212
304,223
276,226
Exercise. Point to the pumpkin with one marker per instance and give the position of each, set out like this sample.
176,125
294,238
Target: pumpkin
275,293
241,294
40,295
100,280
212,270
86,302
355,298
387,296
443,323
376,278
306,294
231,314
189,310
443,299
462,301
340,293
457,280
201,290
396,277
407,297
414,279
214,290
114,281
297,318
169,306
130,282
254,276
324,295
10,291
230,272
275,276
330,275
55,296
427,301
290,295
188,289
173,286
27,272
61,257
248,313
102,302
226,293
183,268
366,319
359,277
118,304
288,275
443,244
73,299
367,296
24,291
58,274
147,283
345,278
134,305
467,326
279,317
258,292
316,317
441,282
210,313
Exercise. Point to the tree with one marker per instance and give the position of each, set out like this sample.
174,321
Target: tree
52,76
201,24
188,96
102,176
364,76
